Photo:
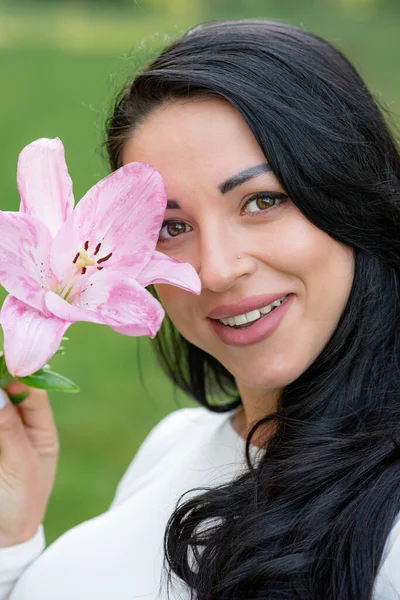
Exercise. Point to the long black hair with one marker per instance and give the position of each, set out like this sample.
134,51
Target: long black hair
310,520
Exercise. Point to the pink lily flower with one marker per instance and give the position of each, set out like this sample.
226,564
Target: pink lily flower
62,264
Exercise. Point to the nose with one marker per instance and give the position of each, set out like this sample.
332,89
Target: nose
220,267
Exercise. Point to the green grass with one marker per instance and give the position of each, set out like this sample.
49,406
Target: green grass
56,93
58,79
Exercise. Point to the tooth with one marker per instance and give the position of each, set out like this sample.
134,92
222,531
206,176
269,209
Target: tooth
253,315
240,320
266,309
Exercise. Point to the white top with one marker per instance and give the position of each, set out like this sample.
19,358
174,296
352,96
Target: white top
119,554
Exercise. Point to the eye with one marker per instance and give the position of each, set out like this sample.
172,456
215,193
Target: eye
263,201
171,229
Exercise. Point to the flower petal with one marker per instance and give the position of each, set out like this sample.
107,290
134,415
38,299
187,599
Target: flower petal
163,269
30,338
44,183
123,213
110,298
25,245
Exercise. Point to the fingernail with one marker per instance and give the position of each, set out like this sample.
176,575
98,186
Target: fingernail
3,399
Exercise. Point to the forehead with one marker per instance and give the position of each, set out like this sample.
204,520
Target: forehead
199,136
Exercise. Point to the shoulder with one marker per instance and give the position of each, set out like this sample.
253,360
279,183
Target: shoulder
179,428
183,420
177,422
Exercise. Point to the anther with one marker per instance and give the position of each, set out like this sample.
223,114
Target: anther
83,270
100,268
105,258
76,258
97,248
86,246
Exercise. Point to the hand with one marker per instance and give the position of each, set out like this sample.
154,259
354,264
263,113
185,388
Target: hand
29,450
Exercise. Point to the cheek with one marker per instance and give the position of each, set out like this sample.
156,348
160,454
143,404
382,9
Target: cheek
180,307
328,274
307,252
325,269
177,304
166,294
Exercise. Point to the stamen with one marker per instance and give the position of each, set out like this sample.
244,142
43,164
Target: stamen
97,248
105,258
84,260
83,270
86,246
76,258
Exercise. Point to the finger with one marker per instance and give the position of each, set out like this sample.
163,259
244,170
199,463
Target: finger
35,411
12,434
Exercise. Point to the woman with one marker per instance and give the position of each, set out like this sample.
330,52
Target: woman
284,193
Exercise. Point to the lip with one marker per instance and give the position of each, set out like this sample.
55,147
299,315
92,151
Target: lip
259,331
243,306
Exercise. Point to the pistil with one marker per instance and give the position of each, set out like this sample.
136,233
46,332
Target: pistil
84,260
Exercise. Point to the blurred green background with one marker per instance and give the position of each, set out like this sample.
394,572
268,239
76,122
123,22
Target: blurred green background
61,65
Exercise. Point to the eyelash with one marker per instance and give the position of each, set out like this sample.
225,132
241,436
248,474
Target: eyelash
269,195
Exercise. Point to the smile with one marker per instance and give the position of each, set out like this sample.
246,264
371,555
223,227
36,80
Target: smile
251,316
252,326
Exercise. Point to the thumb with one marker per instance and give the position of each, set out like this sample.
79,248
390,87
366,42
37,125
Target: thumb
12,432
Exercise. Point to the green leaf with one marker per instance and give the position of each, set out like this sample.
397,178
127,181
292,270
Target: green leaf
6,380
5,377
18,398
45,379
3,368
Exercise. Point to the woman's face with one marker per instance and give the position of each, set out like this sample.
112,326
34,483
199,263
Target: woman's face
225,202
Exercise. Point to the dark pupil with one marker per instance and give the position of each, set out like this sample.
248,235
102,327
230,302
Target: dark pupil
264,202
175,228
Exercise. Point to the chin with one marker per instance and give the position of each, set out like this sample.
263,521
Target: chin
267,375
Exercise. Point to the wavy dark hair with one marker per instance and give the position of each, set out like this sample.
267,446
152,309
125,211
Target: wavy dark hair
310,519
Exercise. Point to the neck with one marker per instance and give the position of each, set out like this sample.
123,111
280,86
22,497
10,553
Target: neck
257,404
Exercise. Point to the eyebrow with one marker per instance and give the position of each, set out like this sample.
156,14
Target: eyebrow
229,184
172,204
243,176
